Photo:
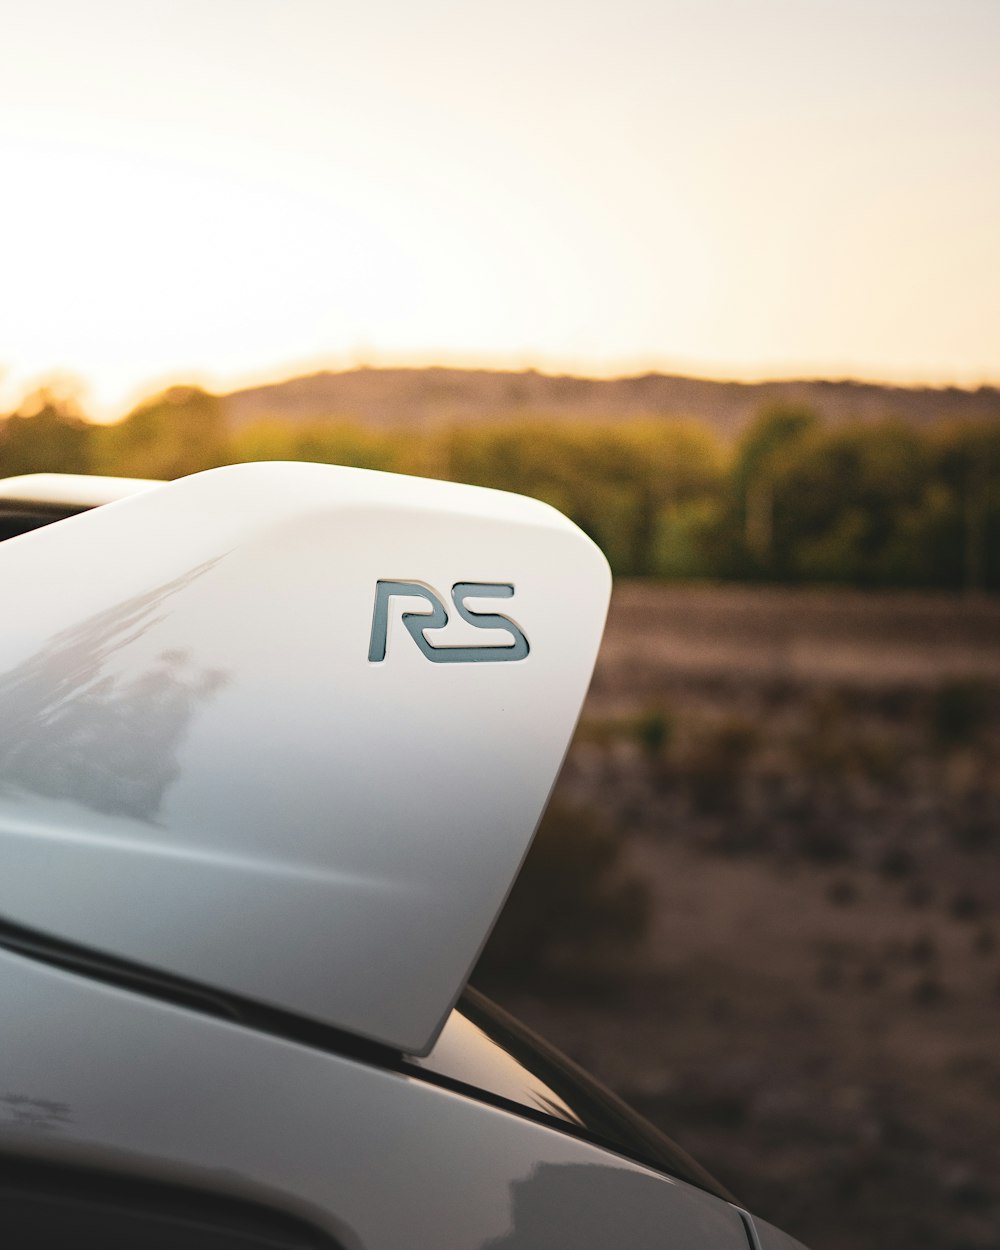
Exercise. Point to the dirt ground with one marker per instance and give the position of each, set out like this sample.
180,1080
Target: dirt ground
808,786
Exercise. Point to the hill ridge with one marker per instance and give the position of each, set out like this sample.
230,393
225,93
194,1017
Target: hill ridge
434,395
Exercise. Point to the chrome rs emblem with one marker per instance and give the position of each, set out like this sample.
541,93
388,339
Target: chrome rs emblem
437,618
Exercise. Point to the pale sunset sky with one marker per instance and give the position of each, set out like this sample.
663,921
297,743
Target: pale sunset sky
227,191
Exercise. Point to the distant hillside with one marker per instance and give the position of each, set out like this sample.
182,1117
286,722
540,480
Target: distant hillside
436,396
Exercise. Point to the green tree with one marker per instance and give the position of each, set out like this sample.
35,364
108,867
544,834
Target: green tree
620,483
846,503
959,526
177,432
747,540
46,435
345,443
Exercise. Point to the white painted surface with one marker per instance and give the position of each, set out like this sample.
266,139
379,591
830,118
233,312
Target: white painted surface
379,1160
74,490
200,769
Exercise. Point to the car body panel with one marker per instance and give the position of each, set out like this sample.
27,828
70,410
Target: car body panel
69,492
97,1076
250,848
202,770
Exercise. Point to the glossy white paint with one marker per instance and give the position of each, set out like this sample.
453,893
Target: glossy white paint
96,1076
71,490
202,771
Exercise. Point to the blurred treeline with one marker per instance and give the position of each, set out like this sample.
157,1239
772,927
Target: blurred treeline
794,500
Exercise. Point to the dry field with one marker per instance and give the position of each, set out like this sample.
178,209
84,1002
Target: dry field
658,636
808,786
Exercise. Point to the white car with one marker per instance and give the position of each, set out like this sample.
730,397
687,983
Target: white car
274,740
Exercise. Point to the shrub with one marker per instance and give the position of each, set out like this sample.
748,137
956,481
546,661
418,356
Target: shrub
897,863
919,894
924,949
714,766
825,841
958,712
574,910
928,991
966,906
654,730
842,892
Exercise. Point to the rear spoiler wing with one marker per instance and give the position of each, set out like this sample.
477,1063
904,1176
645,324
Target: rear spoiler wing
286,730
38,499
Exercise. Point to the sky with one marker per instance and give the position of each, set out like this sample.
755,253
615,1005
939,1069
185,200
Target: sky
232,191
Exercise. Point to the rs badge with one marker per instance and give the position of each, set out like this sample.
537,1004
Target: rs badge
437,618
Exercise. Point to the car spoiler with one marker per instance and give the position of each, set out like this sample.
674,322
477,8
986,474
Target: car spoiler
286,730
38,499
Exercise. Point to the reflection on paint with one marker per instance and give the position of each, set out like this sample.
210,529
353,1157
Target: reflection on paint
38,1115
72,728
589,1205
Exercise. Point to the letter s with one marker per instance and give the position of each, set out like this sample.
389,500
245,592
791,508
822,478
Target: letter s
490,620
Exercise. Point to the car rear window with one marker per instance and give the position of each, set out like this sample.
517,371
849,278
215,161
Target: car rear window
484,1050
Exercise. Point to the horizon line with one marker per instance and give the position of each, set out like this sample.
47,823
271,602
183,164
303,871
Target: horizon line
76,387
